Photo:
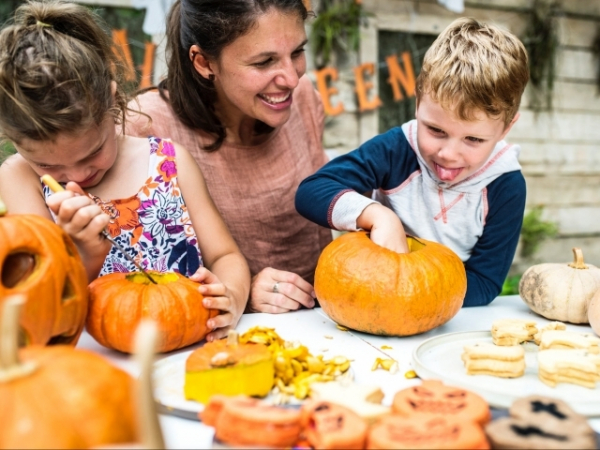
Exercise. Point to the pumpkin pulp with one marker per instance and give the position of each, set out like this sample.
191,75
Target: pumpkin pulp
160,278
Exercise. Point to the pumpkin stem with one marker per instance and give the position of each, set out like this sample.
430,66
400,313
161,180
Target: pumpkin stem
10,366
578,259
146,337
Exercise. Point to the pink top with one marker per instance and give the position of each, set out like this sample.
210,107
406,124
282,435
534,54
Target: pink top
254,186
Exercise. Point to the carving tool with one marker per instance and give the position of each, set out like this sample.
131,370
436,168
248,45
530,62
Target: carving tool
56,187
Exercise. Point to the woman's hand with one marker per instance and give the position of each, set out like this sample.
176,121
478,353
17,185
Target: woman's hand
217,296
384,226
277,291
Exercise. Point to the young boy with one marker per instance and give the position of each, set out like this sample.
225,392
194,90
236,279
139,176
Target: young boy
447,176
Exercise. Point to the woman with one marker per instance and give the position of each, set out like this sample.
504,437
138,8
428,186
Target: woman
237,98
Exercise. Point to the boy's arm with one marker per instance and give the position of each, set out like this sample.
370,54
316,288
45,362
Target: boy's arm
493,254
333,196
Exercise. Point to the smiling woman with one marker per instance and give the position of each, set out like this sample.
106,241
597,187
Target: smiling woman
236,95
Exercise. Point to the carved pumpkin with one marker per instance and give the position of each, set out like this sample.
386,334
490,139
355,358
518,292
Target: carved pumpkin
561,291
227,367
39,261
60,397
119,301
364,286
433,397
400,432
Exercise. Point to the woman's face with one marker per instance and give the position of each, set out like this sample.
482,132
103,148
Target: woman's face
257,73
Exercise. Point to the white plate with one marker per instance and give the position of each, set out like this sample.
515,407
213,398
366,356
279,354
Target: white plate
169,377
439,357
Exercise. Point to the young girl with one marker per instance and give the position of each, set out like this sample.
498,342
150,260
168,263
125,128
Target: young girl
60,102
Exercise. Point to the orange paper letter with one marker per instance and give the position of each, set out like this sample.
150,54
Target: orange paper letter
363,87
146,80
326,92
122,52
406,78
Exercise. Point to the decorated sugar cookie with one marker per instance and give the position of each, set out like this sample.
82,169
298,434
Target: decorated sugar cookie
435,398
538,422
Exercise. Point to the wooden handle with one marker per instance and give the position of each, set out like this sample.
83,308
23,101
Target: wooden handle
52,183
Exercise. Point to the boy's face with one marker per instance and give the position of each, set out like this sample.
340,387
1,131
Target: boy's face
453,148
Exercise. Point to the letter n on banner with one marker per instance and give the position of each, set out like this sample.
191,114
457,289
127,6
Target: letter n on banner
405,78
326,92
123,54
363,87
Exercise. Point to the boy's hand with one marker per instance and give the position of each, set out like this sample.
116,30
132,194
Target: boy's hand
385,227
277,291
217,296
80,218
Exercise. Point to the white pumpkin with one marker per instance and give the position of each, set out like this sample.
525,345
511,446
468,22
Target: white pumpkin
561,291
594,312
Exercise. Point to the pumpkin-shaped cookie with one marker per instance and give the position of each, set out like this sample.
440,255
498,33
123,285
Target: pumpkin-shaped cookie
425,432
432,397
538,422
228,367
39,261
329,426
119,301
245,421
364,286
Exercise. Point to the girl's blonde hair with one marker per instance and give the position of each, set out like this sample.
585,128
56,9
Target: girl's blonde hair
56,72
473,66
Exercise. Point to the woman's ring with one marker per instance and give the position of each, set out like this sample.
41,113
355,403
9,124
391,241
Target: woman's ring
276,288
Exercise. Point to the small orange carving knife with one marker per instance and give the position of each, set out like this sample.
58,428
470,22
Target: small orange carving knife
56,187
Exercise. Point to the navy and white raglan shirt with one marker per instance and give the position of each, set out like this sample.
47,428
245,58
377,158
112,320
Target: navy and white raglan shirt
479,217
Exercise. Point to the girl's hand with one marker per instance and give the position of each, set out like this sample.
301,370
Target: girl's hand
217,296
385,227
80,218
277,291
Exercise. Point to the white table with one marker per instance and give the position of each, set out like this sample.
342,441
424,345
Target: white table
314,329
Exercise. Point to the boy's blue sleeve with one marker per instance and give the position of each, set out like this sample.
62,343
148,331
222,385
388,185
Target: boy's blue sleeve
382,162
493,254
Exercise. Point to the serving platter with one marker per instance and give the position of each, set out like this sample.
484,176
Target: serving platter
440,357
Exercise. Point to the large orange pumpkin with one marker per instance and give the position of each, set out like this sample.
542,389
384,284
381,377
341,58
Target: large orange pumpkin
119,301
59,396
39,261
364,286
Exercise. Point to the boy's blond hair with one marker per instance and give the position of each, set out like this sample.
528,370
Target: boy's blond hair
473,66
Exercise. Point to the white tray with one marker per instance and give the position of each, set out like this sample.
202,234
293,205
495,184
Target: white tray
439,357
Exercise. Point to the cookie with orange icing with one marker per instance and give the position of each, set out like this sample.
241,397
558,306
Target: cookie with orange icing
434,398
329,426
246,421
425,432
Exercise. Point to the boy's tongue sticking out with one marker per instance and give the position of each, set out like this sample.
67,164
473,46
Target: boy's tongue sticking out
446,174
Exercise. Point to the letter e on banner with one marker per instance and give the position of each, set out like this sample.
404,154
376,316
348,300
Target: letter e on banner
326,92
405,78
363,87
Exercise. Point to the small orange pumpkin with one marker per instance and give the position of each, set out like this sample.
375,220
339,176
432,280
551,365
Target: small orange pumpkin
39,261
119,301
59,396
364,286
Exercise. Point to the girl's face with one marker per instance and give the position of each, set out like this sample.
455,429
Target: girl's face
83,157
453,148
257,73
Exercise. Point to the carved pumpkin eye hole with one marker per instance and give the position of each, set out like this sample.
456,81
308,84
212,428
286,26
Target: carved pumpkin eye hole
17,268
68,292
456,395
419,391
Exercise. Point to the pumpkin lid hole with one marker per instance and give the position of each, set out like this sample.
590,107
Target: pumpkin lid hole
17,268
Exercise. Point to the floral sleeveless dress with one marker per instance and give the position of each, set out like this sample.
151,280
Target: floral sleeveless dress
153,226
